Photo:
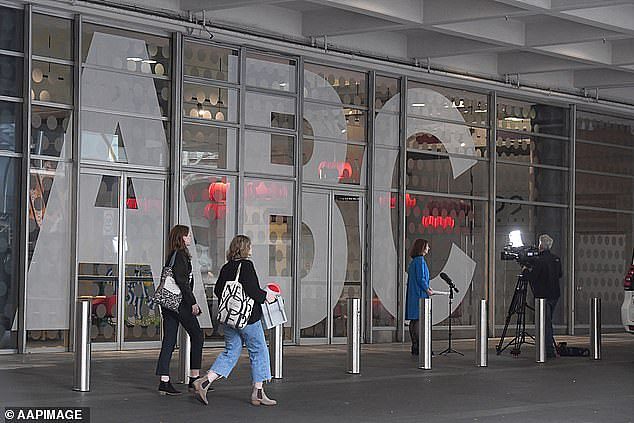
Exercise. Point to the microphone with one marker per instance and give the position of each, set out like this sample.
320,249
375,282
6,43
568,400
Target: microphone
447,279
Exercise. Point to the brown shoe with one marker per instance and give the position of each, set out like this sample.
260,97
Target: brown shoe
201,386
258,397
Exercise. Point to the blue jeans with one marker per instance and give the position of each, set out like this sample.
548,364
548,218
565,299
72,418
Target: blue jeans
253,337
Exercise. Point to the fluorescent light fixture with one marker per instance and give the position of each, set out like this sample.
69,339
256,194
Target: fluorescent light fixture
514,119
515,238
283,84
134,59
149,61
418,104
462,144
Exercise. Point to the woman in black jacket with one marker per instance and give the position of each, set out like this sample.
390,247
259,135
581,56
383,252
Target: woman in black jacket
179,239
252,334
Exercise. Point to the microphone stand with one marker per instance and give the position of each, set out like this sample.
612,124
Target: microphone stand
450,350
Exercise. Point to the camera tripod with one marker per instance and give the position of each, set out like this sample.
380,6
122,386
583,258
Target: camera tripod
450,350
518,307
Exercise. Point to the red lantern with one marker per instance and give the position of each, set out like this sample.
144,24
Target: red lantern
410,201
209,211
218,191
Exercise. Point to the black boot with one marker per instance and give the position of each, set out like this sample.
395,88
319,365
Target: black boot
166,388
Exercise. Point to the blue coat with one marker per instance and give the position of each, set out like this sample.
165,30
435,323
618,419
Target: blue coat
417,286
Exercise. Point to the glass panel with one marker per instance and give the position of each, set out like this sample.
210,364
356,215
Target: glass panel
385,241
270,111
10,126
268,221
271,72
52,82
532,117
446,174
48,278
605,129
125,94
457,232
386,129
447,103
334,85
611,192
11,76
210,62
347,258
269,153
336,123
387,94
9,250
314,259
52,36
530,183
386,169
211,214
440,137
603,250
51,132
145,232
532,149
209,146
106,47
98,247
210,103
333,162
531,221
11,24
603,158
115,138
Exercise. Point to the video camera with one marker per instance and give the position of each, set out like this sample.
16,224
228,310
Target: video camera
516,250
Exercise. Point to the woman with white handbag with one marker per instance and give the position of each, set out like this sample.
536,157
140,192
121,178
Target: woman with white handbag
240,297
185,313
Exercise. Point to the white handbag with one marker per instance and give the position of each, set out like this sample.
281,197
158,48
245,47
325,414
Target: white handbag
273,314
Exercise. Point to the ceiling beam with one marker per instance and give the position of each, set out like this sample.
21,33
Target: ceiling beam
213,5
432,44
451,11
606,78
591,51
499,31
399,11
324,22
560,31
619,17
524,62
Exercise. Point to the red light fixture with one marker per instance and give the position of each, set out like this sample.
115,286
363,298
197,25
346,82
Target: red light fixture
445,222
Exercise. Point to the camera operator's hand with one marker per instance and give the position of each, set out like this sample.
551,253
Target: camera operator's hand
430,292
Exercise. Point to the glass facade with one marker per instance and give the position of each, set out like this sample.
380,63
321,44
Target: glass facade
333,170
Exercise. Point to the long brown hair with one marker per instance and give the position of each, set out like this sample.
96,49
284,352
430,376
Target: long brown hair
239,248
175,239
418,248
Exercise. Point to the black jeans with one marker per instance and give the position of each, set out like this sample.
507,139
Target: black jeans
550,340
413,333
170,333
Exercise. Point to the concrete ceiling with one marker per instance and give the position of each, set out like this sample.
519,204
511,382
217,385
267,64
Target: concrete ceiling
557,44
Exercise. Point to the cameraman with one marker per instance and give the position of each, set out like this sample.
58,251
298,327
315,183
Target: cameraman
544,274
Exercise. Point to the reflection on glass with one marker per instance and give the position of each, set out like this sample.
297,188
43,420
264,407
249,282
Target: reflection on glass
52,82
441,137
271,72
337,123
335,85
209,146
269,153
531,117
333,163
11,76
386,168
604,129
10,126
604,158
611,192
387,129
107,47
210,62
52,36
211,210
436,173
449,223
210,103
11,24
447,103
270,111
51,132
387,94
384,259
530,183
511,146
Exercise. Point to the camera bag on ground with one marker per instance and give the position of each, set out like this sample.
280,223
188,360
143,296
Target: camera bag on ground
235,305
565,351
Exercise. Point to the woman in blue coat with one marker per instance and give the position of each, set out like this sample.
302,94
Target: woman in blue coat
417,287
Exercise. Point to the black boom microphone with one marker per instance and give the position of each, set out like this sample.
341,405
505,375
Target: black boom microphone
447,279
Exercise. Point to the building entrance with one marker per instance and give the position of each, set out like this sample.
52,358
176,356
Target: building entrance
331,263
121,234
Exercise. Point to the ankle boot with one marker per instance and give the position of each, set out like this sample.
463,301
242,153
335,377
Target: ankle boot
258,397
201,386
166,388
190,385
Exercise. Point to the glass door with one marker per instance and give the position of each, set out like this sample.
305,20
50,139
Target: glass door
331,263
120,238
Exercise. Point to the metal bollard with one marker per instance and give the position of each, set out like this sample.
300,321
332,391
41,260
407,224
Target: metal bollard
424,333
184,356
595,328
540,330
81,373
354,335
482,337
276,343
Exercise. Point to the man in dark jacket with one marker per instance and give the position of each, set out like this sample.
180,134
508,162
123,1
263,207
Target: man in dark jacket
544,275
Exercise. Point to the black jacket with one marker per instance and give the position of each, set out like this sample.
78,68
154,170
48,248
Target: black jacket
544,276
249,281
182,270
